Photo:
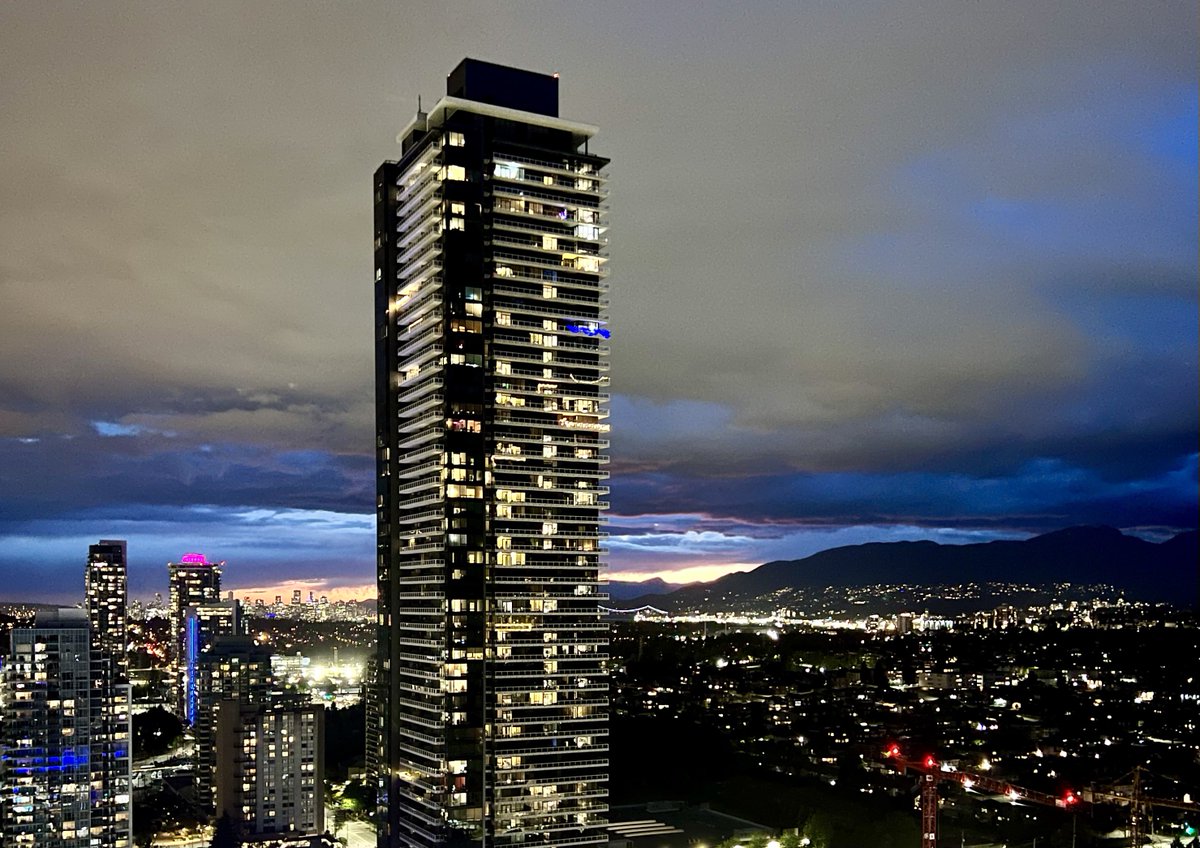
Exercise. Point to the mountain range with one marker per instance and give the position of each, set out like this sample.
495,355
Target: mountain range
1143,570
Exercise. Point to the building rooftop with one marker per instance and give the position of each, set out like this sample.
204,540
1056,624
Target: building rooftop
500,85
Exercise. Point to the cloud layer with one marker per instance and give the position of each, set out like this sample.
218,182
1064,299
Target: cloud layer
879,269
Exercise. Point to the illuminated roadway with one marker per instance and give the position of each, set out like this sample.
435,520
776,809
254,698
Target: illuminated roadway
358,834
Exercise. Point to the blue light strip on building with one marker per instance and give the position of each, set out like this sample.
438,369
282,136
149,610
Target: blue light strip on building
588,330
193,647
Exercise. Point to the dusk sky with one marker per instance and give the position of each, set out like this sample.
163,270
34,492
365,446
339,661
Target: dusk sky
880,271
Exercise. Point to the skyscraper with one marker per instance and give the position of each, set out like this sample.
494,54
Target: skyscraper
106,595
65,779
233,670
202,625
491,720
192,581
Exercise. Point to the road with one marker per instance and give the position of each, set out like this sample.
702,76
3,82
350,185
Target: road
358,834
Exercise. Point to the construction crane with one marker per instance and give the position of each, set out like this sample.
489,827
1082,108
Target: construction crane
1139,804
931,773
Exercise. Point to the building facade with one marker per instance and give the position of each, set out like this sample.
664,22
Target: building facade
203,624
107,594
490,699
65,779
193,581
233,670
270,767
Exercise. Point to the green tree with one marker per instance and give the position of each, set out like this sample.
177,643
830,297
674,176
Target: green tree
154,732
819,830
227,834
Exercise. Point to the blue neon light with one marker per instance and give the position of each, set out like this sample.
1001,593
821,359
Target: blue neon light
193,646
588,331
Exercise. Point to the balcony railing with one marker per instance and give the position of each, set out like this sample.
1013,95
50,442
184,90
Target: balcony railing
593,172
555,264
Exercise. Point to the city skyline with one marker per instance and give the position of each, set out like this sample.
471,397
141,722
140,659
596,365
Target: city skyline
917,272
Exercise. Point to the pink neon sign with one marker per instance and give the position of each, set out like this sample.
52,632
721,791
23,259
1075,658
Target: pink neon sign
193,559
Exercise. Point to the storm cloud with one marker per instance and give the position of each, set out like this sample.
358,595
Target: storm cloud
880,270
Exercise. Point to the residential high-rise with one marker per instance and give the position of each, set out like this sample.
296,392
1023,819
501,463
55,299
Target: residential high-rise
106,597
202,625
192,581
65,779
270,767
491,400
232,670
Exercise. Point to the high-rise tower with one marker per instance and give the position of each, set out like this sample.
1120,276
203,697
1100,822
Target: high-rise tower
193,581
65,779
107,595
490,713
234,668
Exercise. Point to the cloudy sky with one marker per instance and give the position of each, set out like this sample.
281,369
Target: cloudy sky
880,271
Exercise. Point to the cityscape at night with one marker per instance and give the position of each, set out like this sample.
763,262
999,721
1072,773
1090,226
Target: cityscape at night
785,425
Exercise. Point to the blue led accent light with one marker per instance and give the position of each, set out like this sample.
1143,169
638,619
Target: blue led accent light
193,640
588,331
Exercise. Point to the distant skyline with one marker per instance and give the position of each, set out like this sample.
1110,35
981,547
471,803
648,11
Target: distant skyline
880,271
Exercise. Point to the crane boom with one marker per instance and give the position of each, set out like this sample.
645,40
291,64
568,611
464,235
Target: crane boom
932,774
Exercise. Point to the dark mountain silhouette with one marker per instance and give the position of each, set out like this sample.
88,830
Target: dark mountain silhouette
621,591
1164,571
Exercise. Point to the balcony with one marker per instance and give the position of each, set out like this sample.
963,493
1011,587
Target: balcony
426,220
592,171
574,442
560,504
564,343
433,401
430,317
413,254
415,276
419,388
566,255
427,499
566,392
432,468
429,336
425,210
566,286
545,749
595,363
574,187
414,195
574,316
537,461
420,295
433,419
429,256
558,265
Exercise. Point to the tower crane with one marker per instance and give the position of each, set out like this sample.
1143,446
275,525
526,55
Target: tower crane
932,775
1139,804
